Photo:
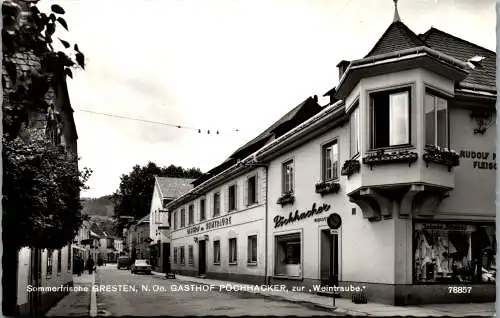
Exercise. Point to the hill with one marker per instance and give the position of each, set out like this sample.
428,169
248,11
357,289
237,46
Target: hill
102,206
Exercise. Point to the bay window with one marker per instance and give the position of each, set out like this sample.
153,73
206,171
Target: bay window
390,118
436,121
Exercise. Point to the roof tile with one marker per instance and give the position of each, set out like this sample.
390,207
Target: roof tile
174,187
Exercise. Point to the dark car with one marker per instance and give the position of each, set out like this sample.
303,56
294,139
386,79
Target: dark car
141,265
123,262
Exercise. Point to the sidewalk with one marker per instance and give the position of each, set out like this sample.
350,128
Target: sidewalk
347,307
78,301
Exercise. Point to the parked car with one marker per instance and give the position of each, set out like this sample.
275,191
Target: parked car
141,265
123,262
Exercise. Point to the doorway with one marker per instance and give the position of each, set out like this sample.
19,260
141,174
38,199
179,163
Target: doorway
202,255
166,257
329,262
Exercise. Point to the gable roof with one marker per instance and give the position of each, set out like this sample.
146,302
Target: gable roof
173,187
397,37
464,50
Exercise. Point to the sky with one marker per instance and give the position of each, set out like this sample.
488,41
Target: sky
222,65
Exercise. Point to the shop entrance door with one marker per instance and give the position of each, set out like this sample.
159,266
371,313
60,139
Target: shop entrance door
202,264
329,258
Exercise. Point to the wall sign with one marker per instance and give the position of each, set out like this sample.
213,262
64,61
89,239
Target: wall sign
209,225
293,217
480,159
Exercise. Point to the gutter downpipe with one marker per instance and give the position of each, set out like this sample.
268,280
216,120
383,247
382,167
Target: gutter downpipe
266,281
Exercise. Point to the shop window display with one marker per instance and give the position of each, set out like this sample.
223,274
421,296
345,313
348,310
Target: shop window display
288,255
454,253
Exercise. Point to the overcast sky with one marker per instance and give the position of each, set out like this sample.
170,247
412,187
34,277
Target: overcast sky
220,65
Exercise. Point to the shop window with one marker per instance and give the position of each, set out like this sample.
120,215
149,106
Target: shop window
252,190
216,252
50,255
175,255
252,249
288,255
190,255
390,118
233,251
287,177
183,218
454,253
181,252
70,250
202,209
59,261
191,214
232,196
436,121
216,204
175,220
330,160
354,131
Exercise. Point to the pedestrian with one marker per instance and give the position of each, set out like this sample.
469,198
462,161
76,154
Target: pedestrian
90,265
79,265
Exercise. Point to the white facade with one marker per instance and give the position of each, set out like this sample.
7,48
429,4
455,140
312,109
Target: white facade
243,224
157,218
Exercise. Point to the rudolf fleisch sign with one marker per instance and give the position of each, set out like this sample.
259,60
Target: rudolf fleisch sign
292,217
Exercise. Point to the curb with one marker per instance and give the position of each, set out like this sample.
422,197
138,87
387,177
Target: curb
280,298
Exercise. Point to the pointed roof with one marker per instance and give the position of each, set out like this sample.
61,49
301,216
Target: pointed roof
464,50
397,37
173,188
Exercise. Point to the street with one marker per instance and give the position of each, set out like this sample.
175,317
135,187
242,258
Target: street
148,295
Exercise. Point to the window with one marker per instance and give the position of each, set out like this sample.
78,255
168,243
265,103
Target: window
175,220
354,131
202,209
216,252
216,204
252,190
50,255
330,161
191,214
454,253
70,257
288,258
436,121
190,255
59,260
288,177
232,197
183,218
182,260
175,255
390,118
233,257
252,249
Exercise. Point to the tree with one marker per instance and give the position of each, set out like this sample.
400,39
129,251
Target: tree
41,206
133,197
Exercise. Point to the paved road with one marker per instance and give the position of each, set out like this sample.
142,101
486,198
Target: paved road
149,295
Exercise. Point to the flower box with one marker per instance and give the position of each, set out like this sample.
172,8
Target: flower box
383,157
439,155
325,187
287,198
350,167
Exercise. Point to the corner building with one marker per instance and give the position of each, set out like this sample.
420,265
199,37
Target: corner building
405,154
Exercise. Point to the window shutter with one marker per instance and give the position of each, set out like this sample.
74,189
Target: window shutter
245,192
226,199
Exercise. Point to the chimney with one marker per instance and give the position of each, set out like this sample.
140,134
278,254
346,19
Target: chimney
343,67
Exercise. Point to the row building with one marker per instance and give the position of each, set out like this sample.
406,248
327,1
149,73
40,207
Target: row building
404,153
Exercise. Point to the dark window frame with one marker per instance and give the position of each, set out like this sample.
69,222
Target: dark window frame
284,189
250,256
372,109
216,204
203,214
435,93
183,217
191,214
354,118
217,248
232,197
250,191
233,259
335,167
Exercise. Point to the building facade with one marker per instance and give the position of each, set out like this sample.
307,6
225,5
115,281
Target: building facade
165,190
404,154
